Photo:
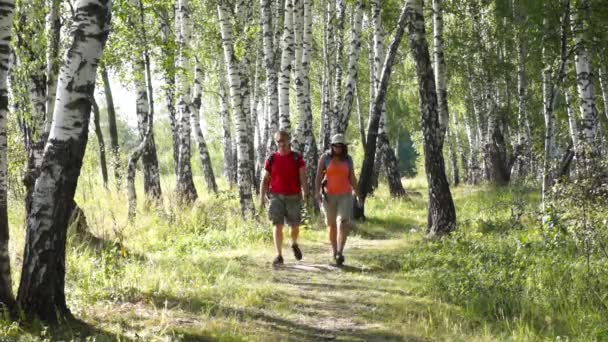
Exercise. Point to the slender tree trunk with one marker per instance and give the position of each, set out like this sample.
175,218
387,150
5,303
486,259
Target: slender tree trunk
168,71
272,96
584,78
603,78
572,124
360,118
522,148
474,176
352,68
440,67
102,146
286,66
185,184
442,214
235,79
229,166
372,130
6,286
459,148
329,10
41,290
453,157
198,133
53,28
338,40
114,148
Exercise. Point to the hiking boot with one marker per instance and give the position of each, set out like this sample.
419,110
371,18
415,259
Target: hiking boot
339,259
297,253
277,261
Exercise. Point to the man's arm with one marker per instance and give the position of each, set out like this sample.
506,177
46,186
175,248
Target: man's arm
264,186
303,181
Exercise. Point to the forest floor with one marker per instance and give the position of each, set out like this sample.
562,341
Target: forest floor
204,274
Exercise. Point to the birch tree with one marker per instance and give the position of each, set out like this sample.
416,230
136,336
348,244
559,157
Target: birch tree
271,83
41,290
286,68
185,185
584,77
115,150
198,132
367,168
442,214
244,166
6,21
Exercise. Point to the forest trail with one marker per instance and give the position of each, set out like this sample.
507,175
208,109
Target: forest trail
341,303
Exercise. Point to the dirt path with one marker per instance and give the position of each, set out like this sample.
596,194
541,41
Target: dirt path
350,303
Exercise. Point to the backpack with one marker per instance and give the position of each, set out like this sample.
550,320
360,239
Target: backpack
295,155
326,159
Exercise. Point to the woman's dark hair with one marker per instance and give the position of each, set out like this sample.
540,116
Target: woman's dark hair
344,151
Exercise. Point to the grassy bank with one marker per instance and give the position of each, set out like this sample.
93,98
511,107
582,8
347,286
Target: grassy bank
201,273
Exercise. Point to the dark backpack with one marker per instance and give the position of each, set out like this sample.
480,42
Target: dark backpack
294,155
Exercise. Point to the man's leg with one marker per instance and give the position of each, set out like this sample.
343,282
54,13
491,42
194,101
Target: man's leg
295,232
278,238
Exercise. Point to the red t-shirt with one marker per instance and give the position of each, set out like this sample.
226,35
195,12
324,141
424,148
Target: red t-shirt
285,175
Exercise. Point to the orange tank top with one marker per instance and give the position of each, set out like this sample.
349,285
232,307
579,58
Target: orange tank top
338,178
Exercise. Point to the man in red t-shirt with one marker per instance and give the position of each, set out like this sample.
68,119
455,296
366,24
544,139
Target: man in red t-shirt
285,173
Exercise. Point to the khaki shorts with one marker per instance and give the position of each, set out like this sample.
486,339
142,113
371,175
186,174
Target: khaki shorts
338,207
284,208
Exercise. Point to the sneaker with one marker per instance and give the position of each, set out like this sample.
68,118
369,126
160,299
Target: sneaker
297,253
277,261
339,259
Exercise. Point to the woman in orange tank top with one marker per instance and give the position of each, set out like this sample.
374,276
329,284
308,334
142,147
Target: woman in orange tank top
336,176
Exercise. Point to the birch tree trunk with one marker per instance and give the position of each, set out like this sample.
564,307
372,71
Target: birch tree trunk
459,148
41,290
53,28
522,148
286,66
338,40
584,79
328,74
168,71
272,96
453,158
440,67
603,78
185,184
244,166
102,146
385,156
6,22
198,133
442,214
572,124
229,167
367,168
114,148
352,68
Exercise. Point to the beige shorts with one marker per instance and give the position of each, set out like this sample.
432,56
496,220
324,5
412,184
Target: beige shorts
338,207
285,208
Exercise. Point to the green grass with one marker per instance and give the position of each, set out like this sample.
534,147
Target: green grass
202,273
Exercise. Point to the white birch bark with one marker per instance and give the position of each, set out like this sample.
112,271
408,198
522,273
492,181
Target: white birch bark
603,78
53,27
328,74
338,38
229,167
185,185
198,132
352,67
572,124
584,77
7,9
439,64
244,166
285,69
41,291
271,84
